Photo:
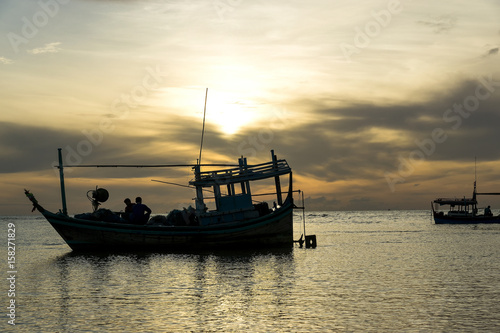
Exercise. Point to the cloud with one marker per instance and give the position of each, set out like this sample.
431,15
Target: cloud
493,51
47,48
5,61
359,141
321,203
440,24
363,141
350,148
31,148
165,6
28,148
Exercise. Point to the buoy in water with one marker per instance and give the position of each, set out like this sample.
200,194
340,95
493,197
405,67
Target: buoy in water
311,241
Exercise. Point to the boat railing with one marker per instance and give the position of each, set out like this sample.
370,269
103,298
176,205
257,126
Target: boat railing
455,201
244,172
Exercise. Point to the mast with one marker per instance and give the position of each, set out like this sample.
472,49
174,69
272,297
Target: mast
199,203
277,179
203,128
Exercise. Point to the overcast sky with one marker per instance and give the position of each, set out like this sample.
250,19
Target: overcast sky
375,104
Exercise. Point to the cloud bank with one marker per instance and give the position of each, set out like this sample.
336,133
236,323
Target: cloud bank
47,48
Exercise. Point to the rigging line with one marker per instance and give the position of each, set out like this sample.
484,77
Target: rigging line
206,190
181,185
170,183
203,128
270,193
304,213
187,186
145,165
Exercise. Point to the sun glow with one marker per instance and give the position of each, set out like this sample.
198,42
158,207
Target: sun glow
229,113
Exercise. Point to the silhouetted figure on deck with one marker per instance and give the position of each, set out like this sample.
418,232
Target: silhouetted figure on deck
140,212
487,211
128,209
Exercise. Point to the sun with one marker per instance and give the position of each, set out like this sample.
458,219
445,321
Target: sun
228,112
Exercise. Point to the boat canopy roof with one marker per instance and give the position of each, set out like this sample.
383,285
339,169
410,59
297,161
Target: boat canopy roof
242,173
456,202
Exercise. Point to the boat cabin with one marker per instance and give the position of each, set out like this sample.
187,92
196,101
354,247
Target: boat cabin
237,204
465,207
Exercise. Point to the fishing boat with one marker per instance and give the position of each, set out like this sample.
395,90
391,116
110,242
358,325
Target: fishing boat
463,210
237,222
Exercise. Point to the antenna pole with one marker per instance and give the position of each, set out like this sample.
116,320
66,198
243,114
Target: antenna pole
203,128
475,170
61,180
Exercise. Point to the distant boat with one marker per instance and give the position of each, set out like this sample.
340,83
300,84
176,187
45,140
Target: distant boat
463,211
236,223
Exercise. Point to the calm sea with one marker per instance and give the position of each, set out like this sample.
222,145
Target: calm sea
372,271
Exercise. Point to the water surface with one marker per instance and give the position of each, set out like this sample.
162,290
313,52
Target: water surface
372,271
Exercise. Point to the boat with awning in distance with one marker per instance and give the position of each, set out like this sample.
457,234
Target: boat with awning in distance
463,210
237,221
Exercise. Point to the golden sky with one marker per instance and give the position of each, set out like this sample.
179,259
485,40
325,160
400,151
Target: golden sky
375,104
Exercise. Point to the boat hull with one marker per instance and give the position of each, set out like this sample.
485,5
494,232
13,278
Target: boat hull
445,219
272,230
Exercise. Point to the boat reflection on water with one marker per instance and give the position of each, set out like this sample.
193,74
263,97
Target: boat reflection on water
200,292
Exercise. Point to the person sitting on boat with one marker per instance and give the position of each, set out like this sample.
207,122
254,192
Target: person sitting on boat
128,209
140,212
487,211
